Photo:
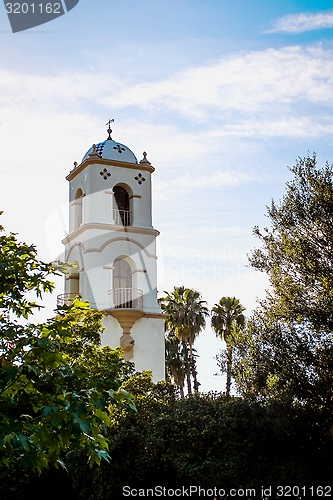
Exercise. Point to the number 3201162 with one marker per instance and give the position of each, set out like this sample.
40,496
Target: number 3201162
32,8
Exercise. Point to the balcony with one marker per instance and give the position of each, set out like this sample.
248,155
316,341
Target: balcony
122,217
126,298
65,299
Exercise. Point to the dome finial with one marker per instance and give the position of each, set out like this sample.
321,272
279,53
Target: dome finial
144,159
94,153
109,131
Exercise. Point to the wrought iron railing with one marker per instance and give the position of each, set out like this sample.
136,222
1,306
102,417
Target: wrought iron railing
65,299
122,217
126,298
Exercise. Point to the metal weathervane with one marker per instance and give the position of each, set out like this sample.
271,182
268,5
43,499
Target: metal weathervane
109,131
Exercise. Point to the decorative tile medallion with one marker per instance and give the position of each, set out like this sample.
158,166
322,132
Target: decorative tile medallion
105,174
140,179
119,148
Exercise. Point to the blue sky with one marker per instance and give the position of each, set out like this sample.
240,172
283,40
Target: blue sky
222,95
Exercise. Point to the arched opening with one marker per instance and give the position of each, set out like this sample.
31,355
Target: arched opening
124,293
122,274
74,284
78,208
122,284
121,208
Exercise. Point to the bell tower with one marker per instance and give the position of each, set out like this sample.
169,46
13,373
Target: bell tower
113,242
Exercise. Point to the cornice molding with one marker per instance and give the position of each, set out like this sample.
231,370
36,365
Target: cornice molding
109,242
113,163
108,227
144,315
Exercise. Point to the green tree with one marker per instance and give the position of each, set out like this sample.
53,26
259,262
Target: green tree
287,352
186,318
287,362
177,361
227,316
297,251
49,400
203,439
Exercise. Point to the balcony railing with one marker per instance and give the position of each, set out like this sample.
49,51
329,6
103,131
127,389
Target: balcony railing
65,299
126,298
122,217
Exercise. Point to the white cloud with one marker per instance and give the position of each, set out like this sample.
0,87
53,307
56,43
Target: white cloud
270,83
274,92
181,184
216,179
193,123
298,23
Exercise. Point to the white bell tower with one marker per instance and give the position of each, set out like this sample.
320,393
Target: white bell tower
112,239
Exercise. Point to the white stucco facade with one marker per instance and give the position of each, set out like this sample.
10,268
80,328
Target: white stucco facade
114,244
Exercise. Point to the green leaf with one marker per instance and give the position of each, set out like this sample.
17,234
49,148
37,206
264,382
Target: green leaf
102,415
23,440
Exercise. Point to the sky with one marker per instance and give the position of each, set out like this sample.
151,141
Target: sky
222,95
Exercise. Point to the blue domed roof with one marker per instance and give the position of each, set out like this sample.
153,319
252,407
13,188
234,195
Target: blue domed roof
112,150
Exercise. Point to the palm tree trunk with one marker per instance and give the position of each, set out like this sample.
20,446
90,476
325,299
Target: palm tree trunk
229,367
193,369
179,381
187,363
189,386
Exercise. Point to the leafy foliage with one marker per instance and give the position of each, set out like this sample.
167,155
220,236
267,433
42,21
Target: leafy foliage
206,440
52,390
297,251
286,352
283,361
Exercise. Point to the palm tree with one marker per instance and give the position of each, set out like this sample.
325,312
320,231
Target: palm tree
186,317
226,316
176,361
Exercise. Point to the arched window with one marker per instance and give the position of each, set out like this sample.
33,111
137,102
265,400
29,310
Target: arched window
123,293
122,274
121,209
122,284
78,208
